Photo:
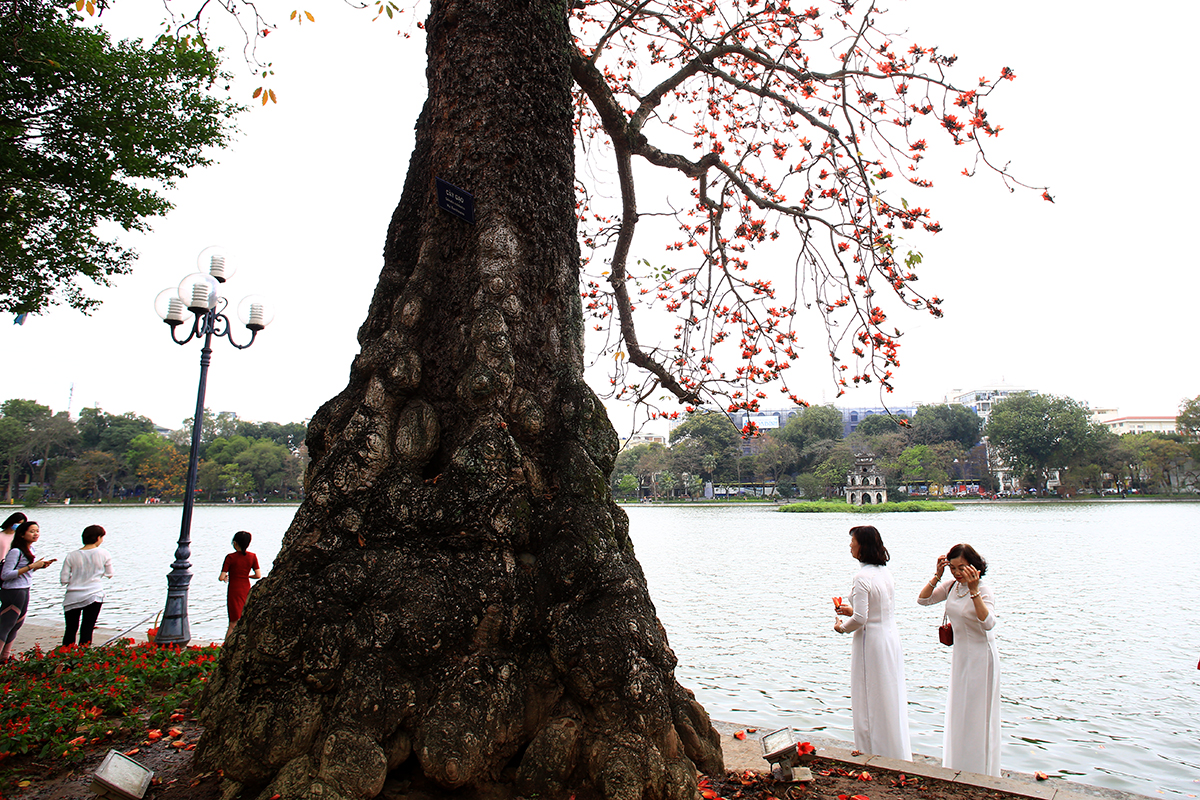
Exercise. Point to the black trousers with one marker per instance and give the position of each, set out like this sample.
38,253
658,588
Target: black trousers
89,614
13,605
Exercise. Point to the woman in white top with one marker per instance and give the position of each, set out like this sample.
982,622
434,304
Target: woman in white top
878,696
972,732
82,571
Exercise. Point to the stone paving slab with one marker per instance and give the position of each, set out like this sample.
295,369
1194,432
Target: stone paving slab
1040,790
898,765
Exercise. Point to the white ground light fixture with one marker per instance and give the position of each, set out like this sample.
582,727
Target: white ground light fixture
119,776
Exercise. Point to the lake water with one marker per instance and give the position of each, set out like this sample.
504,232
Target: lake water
1098,608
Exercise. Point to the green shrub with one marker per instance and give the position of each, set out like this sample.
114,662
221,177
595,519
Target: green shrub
826,506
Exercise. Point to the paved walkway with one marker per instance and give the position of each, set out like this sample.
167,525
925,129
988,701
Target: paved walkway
746,754
48,637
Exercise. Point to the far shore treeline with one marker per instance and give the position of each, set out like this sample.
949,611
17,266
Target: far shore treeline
1039,443
126,457
1034,443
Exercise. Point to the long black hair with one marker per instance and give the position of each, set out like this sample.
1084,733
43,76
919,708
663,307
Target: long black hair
19,542
870,545
13,519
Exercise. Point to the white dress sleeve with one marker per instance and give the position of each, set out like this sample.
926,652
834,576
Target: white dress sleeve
985,594
938,595
860,602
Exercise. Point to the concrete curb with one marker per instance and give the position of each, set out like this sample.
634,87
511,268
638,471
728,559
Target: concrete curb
741,755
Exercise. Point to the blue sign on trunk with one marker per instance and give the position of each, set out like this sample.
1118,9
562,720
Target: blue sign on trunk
456,201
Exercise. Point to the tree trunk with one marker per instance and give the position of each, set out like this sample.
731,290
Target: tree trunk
457,604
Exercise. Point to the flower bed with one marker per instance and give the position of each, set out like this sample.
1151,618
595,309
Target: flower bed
56,705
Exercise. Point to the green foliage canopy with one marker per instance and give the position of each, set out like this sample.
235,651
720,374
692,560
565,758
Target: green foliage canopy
1036,433
90,132
29,434
712,429
941,423
112,433
1187,422
812,434
878,424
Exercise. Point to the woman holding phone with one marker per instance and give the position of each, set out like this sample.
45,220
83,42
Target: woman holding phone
16,576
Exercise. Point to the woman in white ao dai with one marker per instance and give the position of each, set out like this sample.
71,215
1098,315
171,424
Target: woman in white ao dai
878,696
972,733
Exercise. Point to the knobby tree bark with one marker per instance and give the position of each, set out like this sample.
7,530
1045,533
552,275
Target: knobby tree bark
457,604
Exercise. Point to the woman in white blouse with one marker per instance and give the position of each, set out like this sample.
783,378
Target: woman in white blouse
878,697
82,574
972,732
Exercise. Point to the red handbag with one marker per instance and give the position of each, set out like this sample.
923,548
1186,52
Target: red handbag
945,632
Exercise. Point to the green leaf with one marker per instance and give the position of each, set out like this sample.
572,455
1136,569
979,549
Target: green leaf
146,107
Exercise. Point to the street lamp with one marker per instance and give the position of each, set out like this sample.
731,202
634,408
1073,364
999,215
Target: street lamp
197,295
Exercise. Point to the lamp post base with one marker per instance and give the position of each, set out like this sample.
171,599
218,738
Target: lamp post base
174,628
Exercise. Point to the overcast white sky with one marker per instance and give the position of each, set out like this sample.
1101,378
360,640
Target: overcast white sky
1089,297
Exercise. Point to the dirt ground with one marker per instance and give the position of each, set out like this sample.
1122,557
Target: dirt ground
171,762
175,780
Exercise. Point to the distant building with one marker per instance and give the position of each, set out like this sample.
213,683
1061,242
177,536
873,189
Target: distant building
765,420
643,438
982,399
772,419
1123,425
851,417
